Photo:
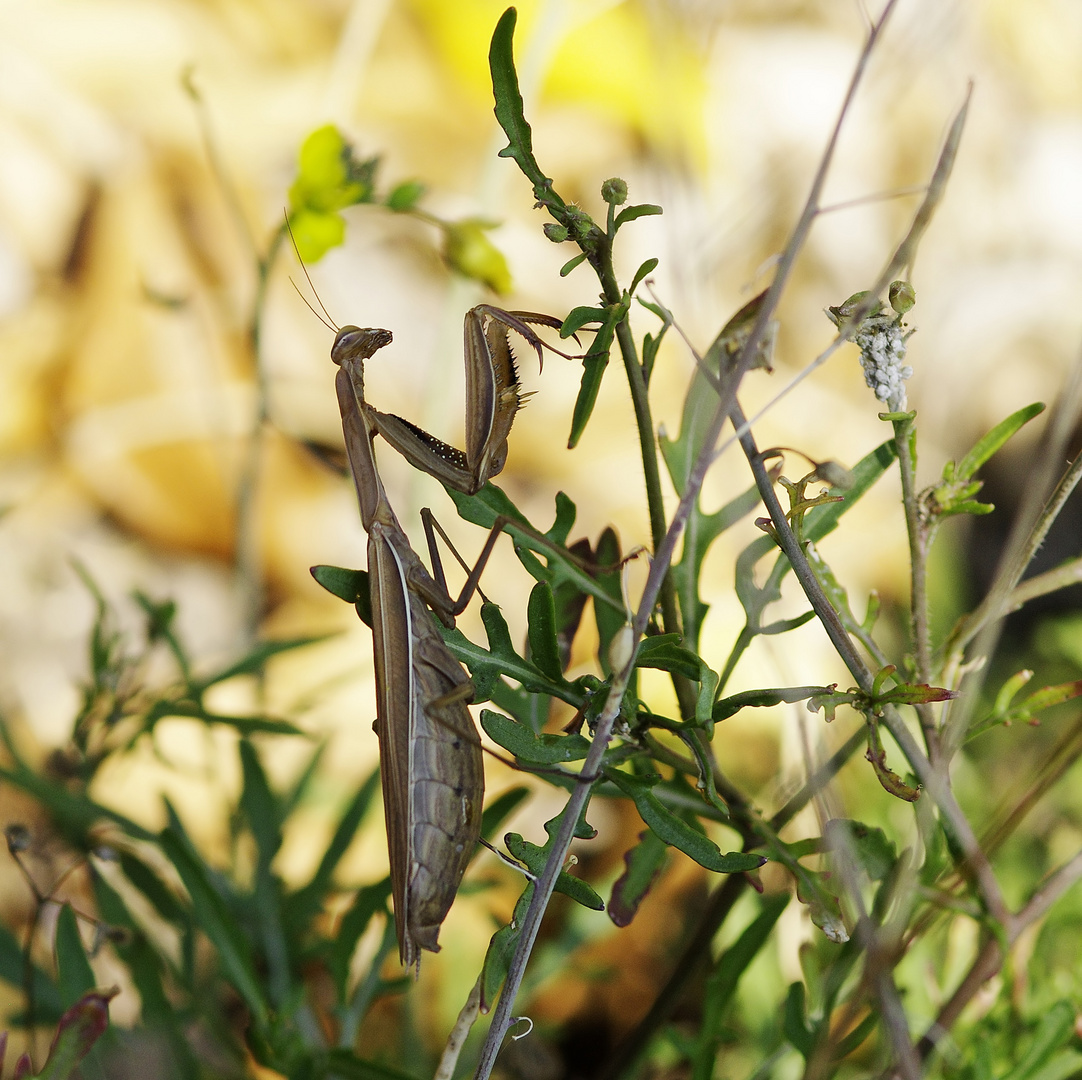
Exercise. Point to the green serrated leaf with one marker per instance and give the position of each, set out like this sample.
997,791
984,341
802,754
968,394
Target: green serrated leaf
889,780
500,950
642,864
491,502
593,370
348,585
566,512
869,845
758,699
968,506
824,908
534,858
579,317
571,264
541,619
662,652
542,749
499,636
783,626
677,832
78,1030
509,108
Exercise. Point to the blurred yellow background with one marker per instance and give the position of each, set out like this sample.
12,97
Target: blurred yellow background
128,393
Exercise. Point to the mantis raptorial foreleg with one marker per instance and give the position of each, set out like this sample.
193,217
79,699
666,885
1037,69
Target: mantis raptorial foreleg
493,397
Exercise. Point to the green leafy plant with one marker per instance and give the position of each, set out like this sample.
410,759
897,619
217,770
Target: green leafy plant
884,897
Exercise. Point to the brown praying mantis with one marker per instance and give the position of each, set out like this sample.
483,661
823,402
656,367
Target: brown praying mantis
430,752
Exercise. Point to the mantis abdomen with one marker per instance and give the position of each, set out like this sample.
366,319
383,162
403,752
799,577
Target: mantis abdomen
430,753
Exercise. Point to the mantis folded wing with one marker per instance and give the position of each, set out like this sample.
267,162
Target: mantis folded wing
493,396
430,752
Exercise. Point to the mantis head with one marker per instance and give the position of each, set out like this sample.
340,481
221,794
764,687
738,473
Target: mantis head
358,343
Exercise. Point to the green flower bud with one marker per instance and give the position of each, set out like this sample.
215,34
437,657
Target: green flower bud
902,296
556,233
470,253
844,312
405,195
579,222
614,191
583,227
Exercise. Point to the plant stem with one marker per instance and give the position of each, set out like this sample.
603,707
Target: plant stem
990,959
937,783
663,554
248,559
716,912
531,923
920,539
644,422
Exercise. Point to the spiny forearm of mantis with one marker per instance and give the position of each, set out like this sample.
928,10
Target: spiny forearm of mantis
493,397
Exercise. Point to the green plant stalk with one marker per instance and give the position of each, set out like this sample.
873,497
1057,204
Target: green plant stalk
937,784
248,557
697,948
640,400
659,569
921,534
662,560
663,555
576,804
